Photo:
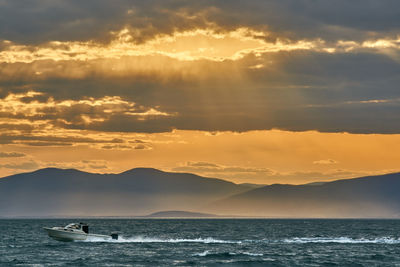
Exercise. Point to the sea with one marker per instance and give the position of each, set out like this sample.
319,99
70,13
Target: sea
206,242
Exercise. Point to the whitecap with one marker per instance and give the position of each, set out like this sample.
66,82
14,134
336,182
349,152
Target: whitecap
252,254
202,254
239,253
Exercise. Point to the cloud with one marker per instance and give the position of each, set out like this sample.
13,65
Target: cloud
43,143
44,139
129,77
206,167
11,155
325,162
298,91
74,20
28,165
187,45
86,165
212,66
20,126
85,110
118,147
192,45
138,144
262,175
203,164
72,114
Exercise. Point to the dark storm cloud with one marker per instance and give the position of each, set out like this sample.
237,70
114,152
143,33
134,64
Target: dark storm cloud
76,20
41,20
293,90
38,21
326,78
299,90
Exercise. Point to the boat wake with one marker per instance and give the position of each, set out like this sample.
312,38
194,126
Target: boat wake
141,239
343,240
210,240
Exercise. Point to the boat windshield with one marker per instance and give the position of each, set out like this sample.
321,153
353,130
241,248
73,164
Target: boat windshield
73,226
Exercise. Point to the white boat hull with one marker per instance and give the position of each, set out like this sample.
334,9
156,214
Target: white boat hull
65,235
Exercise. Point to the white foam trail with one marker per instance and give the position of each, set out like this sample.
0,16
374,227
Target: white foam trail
140,239
343,240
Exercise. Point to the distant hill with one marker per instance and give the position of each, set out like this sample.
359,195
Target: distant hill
69,192
374,196
180,214
253,185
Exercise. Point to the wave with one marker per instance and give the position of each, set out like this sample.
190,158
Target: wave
243,253
141,239
343,240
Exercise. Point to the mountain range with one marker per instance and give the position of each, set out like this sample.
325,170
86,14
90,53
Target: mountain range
365,197
69,192
140,191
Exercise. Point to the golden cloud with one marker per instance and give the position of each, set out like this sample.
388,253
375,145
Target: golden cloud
325,162
92,109
188,45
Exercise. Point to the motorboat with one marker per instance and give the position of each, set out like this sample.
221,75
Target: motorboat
76,232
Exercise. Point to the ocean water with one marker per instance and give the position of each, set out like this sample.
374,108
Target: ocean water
206,242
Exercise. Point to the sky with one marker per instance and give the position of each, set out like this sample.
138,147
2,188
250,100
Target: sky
289,91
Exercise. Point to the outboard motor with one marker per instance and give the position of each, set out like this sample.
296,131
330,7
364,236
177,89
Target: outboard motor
114,236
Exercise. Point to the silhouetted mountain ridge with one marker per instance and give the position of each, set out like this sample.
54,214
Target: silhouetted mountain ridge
138,191
70,192
373,196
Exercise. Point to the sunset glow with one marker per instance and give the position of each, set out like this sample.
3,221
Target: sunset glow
228,91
